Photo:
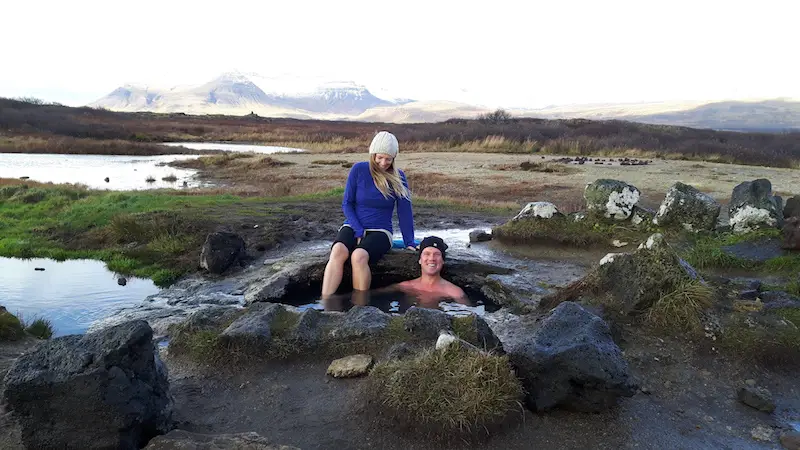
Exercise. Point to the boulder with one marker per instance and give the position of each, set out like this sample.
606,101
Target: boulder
538,210
687,207
792,207
220,251
361,322
791,234
479,236
753,206
612,199
634,280
107,389
185,440
254,326
425,322
569,360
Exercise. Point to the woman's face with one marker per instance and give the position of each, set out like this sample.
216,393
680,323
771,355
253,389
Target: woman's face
384,161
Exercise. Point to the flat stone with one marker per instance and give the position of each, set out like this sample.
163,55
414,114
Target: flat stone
350,366
184,440
758,398
749,294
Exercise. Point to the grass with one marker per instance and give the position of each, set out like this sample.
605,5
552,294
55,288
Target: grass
681,309
11,328
155,235
41,328
774,346
170,178
705,251
453,390
565,230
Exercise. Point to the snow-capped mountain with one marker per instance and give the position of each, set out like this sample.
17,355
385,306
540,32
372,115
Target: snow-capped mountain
235,92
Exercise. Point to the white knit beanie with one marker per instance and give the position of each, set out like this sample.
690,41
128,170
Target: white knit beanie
384,142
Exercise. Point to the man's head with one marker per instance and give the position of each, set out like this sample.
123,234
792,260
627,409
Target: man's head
432,255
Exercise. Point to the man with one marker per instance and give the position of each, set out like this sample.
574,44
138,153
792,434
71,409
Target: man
430,287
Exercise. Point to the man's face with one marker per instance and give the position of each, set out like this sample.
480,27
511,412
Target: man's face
431,261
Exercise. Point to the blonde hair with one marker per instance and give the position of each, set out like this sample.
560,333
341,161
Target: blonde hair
387,181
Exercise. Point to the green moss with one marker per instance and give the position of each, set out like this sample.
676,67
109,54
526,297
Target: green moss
450,391
705,251
10,326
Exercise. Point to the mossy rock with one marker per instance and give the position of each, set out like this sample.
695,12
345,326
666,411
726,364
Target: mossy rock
612,199
10,326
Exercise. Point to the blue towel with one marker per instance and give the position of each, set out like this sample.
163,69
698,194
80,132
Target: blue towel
398,243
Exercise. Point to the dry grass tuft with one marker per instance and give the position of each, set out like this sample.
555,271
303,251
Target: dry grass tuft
681,309
453,390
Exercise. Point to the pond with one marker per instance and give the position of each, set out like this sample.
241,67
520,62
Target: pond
234,147
123,172
71,294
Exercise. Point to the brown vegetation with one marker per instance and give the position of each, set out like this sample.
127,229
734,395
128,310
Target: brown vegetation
497,134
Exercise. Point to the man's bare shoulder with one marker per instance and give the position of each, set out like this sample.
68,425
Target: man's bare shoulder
453,290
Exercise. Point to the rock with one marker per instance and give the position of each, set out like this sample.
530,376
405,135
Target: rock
635,280
642,216
479,236
779,300
474,329
758,398
350,366
753,206
748,295
185,440
791,440
448,338
791,234
220,251
750,382
106,179
792,207
425,322
254,326
611,199
755,285
307,332
577,216
360,322
687,207
122,281
759,250
538,210
570,360
512,291
762,433
39,269
107,389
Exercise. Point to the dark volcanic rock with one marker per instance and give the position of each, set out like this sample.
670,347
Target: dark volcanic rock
753,206
791,234
361,321
254,326
103,390
479,236
570,361
758,398
220,251
612,199
792,208
687,207
425,322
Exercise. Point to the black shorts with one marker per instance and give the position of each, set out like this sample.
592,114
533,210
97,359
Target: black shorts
376,243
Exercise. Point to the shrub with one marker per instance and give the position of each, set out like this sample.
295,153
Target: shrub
41,328
10,326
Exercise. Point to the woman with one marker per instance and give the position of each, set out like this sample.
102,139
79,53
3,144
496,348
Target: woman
372,191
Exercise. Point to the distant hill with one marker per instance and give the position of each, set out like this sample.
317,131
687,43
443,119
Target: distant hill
235,93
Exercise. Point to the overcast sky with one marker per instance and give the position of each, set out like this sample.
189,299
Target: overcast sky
495,53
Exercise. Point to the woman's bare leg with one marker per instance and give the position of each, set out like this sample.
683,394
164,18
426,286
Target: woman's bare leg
334,269
362,277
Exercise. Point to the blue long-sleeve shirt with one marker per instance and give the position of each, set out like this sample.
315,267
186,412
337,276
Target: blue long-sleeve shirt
366,208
